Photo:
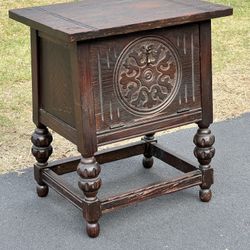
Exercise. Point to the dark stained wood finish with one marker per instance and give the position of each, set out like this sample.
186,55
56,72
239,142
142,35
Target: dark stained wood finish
187,180
204,152
76,81
64,166
148,159
105,71
51,178
108,155
192,177
111,115
150,127
170,157
41,150
92,18
85,114
34,44
61,187
58,125
119,153
55,81
88,168
90,182
206,74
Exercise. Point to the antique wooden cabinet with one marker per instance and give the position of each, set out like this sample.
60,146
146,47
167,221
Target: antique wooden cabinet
105,71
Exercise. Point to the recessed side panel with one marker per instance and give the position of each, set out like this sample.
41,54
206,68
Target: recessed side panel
55,86
144,78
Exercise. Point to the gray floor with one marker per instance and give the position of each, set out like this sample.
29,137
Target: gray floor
176,221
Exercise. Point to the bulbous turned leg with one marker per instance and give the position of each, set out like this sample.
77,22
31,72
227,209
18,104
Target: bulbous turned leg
90,182
204,152
148,159
41,150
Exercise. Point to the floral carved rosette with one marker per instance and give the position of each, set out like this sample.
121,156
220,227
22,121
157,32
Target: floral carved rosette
147,75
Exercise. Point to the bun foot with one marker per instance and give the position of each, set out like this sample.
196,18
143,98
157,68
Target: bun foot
205,195
147,162
42,191
93,229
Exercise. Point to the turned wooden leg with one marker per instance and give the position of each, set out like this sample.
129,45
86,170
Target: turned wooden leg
204,152
41,150
148,159
90,182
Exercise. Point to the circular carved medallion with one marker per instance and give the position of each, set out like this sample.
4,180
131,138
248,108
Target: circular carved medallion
147,75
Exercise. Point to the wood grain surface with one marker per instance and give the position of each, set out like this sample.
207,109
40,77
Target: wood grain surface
92,18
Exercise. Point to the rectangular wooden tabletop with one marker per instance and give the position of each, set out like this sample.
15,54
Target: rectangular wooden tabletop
93,18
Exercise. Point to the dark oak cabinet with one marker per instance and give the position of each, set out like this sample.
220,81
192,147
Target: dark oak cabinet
105,71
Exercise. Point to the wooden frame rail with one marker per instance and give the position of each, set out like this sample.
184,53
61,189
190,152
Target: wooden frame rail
108,155
61,187
170,157
192,177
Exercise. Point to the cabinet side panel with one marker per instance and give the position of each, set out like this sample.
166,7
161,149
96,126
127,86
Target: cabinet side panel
56,94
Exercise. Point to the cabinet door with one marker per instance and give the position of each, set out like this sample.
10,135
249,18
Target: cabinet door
145,81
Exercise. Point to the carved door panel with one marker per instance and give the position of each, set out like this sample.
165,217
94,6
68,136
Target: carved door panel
145,77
